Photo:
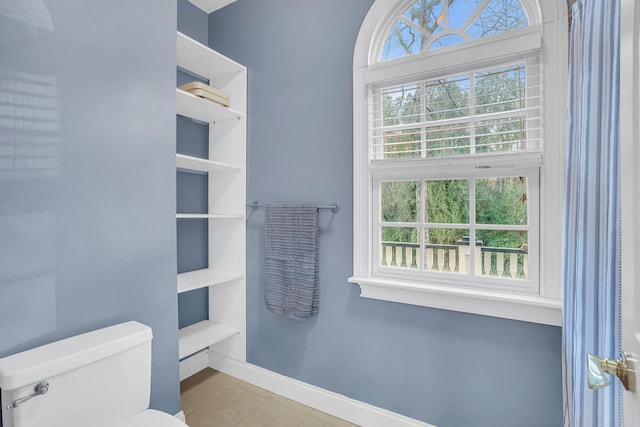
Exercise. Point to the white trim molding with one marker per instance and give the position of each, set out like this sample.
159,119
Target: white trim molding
528,308
181,417
318,398
194,364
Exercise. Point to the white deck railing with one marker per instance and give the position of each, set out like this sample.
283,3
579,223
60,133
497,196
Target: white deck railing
497,262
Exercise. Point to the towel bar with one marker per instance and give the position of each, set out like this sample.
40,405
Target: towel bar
335,207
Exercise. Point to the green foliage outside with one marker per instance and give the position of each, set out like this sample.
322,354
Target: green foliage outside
498,201
400,203
494,91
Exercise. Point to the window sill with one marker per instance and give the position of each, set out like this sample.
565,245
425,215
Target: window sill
528,308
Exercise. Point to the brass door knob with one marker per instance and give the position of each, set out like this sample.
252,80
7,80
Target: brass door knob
598,368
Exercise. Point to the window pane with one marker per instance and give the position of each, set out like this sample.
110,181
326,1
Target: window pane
403,40
402,143
447,203
445,250
401,105
501,201
447,98
450,140
399,201
504,253
498,17
506,134
460,11
399,247
428,15
500,90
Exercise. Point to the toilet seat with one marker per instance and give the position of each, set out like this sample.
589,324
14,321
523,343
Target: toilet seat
153,418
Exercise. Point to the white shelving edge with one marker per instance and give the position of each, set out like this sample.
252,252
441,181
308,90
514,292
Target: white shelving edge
211,5
201,335
202,109
202,60
203,278
203,165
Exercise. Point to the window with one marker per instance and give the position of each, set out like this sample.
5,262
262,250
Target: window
457,158
428,24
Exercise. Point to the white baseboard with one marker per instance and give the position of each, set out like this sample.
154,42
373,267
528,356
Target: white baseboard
181,417
318,398
194,364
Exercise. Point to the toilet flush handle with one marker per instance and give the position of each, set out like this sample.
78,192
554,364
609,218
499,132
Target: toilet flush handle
41,388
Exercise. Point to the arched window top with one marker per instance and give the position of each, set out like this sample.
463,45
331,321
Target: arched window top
431,24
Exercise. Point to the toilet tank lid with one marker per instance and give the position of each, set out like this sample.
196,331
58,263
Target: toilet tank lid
53,359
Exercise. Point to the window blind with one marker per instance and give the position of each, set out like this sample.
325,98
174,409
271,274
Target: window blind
490,110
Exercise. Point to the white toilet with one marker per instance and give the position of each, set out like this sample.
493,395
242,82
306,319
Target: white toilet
98,379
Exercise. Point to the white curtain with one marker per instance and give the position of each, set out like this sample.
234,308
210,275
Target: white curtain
591,214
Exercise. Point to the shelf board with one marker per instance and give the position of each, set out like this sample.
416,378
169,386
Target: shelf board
209,216
202,60
202,109
203,278
201,335
203,165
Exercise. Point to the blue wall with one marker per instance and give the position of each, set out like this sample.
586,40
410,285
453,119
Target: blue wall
446,368
192,21
87,180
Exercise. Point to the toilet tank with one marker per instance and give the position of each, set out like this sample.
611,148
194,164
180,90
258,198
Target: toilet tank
97,379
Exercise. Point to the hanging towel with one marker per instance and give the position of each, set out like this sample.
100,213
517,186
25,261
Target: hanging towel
292,287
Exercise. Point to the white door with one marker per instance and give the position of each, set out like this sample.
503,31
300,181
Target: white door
630,194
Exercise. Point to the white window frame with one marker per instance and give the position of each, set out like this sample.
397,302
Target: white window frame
548,32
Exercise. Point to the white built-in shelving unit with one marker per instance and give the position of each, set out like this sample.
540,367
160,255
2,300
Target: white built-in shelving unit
224,331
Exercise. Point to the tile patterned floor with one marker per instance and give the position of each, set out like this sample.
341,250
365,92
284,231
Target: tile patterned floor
213,399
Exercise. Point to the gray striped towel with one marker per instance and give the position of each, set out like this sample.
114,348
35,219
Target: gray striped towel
292,287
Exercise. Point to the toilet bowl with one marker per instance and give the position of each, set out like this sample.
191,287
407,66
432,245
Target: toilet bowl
98,379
